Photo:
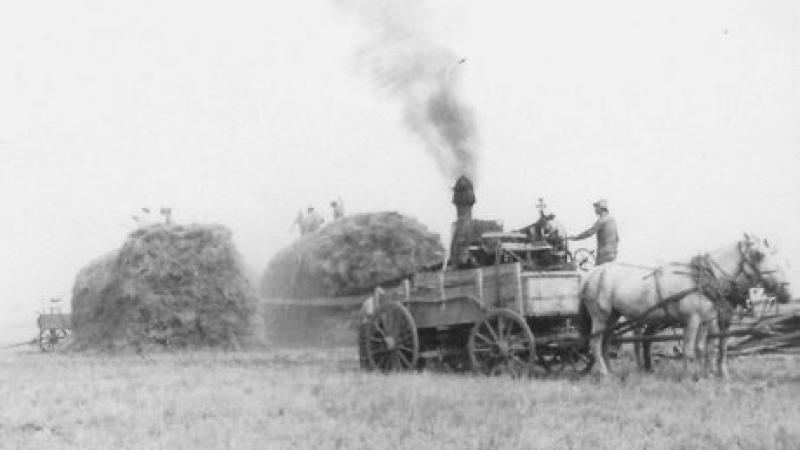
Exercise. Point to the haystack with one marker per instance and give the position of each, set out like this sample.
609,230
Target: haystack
351,256
172,286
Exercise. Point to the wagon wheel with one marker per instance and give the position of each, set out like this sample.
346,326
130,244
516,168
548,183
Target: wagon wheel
583,259
391,341
46,341
501,342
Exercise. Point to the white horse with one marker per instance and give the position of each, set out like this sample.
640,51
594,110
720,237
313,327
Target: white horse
699,294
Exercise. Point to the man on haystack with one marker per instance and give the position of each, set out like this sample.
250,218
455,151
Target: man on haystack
300,222
313,220
338,208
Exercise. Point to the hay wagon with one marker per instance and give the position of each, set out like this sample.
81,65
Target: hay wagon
507,317
53,328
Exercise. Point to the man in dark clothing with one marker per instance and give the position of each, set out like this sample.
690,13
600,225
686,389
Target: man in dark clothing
606,230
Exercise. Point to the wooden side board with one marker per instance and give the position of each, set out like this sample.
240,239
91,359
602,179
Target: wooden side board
551,293
493,286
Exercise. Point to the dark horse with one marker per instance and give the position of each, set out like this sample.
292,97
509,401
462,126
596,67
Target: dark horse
699,294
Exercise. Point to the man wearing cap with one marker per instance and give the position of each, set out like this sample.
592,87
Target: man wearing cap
606,230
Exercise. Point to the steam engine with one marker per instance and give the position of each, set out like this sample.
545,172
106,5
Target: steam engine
477,243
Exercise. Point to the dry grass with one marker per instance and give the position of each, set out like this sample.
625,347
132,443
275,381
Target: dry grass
318,399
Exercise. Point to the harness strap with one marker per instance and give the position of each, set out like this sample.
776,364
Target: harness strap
630,324
723,296
656,278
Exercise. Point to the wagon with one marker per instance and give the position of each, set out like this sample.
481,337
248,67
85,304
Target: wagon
510,317
53,327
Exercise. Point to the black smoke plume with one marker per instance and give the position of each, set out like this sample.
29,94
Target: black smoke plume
405,60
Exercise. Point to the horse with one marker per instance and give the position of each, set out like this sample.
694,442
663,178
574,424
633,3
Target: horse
699,294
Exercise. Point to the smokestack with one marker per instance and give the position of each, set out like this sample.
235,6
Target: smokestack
463,198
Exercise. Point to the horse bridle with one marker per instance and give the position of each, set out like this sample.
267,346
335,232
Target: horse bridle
754,276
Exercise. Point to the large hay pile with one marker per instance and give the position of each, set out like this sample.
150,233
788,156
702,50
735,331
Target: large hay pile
170,286
350,256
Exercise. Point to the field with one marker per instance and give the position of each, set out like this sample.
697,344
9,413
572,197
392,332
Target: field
317,398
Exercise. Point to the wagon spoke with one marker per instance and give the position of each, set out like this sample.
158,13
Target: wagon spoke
379,328
406,362
405,349
386,325
500,332
506,333
390,325
484,338
482,350
491,331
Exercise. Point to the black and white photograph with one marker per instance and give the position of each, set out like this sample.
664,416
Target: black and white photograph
400,224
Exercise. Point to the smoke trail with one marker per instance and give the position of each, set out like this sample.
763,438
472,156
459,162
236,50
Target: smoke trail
405,61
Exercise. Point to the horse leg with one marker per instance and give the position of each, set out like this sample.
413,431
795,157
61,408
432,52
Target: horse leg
597,341
608,335
596,345
649,330
689,340
702,349
722,354
638,348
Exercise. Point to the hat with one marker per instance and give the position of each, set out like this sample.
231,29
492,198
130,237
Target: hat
602,203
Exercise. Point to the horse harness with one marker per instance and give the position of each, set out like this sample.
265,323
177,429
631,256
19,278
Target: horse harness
724,292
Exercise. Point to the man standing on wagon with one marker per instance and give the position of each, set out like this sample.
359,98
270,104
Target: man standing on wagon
606,230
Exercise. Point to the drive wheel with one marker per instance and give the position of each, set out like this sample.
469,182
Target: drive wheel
501,343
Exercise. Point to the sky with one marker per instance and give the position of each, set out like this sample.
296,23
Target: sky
684,115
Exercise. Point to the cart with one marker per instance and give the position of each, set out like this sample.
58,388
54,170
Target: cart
509,317
53,328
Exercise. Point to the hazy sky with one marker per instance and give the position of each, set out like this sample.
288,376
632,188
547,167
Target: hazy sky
685,115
